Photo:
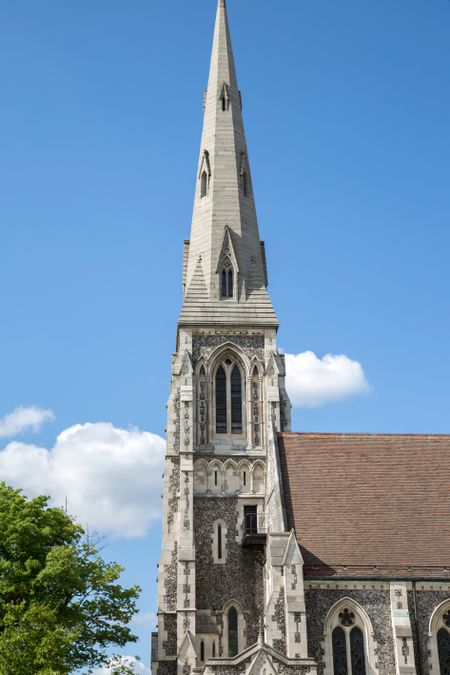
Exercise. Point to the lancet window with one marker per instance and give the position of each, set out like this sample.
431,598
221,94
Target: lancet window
443,644
349,654
203,184
350,648
227,280
244,175
228,398
233,631
244,179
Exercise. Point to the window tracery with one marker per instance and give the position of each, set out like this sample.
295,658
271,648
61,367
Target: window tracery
227,280
228,398
349,646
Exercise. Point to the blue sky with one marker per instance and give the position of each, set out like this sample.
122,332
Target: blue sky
347,109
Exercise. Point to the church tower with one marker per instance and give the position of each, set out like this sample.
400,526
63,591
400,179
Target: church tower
230,585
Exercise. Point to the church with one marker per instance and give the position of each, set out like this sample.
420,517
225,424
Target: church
283,553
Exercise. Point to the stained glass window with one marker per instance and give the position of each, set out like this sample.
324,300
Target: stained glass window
443,640
221,401
236,401
233,646
357,652
339,652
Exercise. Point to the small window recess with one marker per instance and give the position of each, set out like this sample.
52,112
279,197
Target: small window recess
219,542
214,649
202,651
204,175
215,478
225,98
245,182
204,184
227,280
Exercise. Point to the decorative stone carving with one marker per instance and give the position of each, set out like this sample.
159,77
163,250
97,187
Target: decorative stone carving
174,486
250,345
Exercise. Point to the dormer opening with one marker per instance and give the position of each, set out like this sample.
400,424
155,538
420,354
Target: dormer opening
224,98
227,280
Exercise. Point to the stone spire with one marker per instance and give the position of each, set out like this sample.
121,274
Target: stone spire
224,224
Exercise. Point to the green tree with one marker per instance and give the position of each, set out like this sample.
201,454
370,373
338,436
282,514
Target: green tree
61,606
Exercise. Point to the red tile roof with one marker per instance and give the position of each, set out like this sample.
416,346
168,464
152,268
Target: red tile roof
369,505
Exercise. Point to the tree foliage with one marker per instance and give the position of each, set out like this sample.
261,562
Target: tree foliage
61,606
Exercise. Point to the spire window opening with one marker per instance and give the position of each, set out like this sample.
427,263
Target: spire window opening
227,281
245,183
202,651
229,399
203,184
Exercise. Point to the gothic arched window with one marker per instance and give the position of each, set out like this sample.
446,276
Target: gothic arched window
349,656
443,643
202,650
233,635
227,280
229,398
439,630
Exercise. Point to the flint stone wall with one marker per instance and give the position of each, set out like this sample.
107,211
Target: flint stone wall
427,601
240,579
377,605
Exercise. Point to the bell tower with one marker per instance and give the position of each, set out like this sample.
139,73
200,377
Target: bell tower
230,585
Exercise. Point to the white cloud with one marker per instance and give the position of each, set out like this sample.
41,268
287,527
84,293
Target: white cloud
148,619
131,661
111,477
312,381
23,419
